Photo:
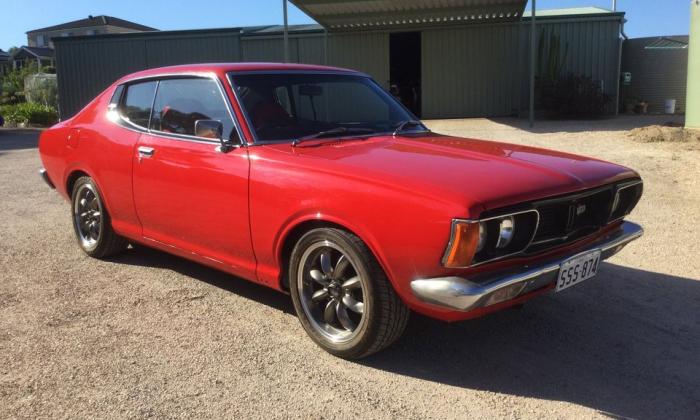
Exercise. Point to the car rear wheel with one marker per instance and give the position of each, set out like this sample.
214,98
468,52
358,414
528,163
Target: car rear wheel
342,296
91,221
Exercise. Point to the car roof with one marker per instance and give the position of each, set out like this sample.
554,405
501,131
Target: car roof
228,67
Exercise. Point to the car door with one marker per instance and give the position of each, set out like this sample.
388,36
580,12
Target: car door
187,193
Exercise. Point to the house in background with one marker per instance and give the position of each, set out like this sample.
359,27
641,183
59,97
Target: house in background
4,62
39,49
33,56
92,25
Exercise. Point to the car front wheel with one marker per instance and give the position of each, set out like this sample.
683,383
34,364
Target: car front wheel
342,296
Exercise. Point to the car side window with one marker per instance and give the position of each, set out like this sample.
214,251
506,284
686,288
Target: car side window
136,107
180,103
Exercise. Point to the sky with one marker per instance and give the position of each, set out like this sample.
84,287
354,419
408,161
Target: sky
645,17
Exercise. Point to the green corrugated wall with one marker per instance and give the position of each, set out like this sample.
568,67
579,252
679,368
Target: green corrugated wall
468,71
87,65
367,52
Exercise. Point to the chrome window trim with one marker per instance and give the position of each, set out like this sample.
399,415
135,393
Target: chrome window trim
454,223
182,137
298,71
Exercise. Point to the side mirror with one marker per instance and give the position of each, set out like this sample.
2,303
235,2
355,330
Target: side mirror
212,129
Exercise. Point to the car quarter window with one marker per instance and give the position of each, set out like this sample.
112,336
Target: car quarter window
180,103
136,107
117,95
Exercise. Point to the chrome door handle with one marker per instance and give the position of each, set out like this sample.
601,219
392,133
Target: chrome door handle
145,151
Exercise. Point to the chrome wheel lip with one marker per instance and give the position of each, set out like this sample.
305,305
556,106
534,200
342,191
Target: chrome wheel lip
329,332
88,216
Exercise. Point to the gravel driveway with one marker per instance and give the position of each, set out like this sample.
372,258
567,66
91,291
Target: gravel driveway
147,334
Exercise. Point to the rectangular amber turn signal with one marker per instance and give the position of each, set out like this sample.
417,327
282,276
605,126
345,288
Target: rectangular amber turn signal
463,243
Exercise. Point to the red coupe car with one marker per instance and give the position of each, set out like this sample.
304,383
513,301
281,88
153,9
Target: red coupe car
315,181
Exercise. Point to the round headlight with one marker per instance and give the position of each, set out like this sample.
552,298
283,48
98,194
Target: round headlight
482,237
506,230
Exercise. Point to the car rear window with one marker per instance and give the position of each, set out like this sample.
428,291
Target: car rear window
136,107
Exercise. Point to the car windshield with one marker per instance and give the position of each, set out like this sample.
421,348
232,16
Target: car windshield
291,106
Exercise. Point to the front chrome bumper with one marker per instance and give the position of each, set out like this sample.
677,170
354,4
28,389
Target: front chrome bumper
487,289
45,177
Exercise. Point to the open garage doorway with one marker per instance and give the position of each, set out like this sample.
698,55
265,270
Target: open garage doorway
405,69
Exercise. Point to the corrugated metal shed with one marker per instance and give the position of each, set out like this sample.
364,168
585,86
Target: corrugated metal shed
482,70
367,52
470,71
467,70
657,73
88,64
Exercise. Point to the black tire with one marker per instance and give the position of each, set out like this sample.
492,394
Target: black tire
105,242
384,316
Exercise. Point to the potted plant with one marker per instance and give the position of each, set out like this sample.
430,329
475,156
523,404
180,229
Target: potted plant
641,107
629,104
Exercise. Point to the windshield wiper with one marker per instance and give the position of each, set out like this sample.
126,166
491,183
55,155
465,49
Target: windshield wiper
332,132
406,123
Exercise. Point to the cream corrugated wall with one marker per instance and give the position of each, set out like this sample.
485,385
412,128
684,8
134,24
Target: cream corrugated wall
692,117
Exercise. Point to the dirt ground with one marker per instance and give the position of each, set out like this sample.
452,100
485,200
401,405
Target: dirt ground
150,335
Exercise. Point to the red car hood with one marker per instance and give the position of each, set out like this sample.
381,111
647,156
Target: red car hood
484,174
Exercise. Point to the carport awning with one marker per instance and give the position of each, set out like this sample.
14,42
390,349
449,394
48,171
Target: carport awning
344,15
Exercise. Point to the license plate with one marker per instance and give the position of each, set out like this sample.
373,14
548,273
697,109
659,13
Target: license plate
578,269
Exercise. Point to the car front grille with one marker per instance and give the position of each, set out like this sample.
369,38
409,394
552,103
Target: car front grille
554,221
567,218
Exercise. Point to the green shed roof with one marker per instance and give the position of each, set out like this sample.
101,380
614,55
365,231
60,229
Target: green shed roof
668,43
570,11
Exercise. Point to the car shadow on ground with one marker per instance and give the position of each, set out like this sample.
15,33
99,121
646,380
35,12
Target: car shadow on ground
626,344
148,257
619,123
16,139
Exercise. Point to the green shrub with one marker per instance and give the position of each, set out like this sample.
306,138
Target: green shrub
572,96
580,97
29,113
41,88
12,84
